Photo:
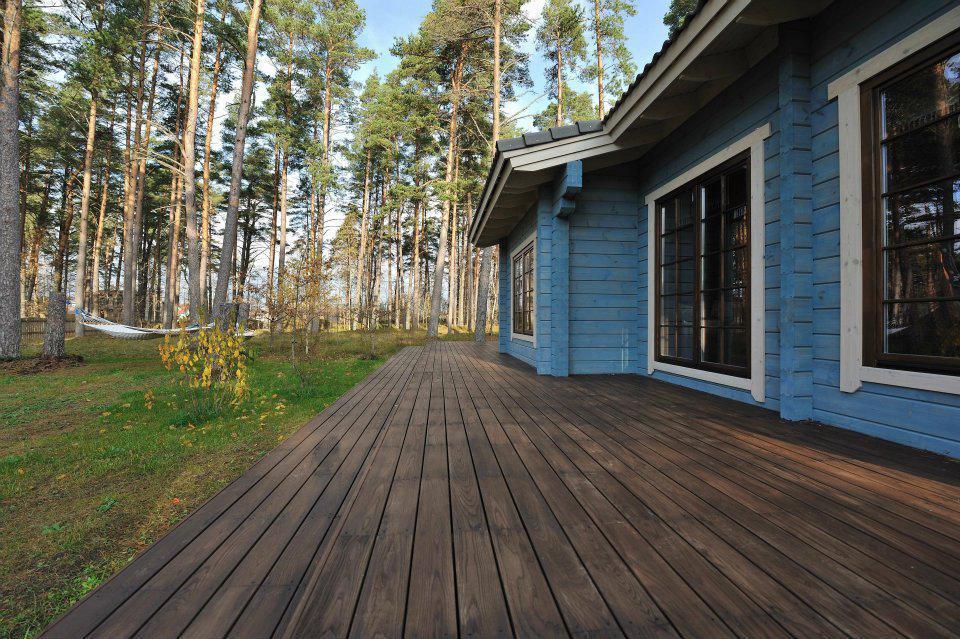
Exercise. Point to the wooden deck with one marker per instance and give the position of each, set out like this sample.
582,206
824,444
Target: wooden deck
454,492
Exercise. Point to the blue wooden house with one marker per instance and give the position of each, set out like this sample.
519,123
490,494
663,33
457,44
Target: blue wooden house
771,213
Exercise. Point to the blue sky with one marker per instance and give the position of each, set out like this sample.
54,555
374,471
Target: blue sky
388,19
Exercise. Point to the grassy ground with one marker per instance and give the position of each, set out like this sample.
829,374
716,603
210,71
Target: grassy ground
91,471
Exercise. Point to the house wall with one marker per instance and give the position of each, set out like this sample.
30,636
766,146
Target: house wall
918,418
749,103
535,352
608,245
604,273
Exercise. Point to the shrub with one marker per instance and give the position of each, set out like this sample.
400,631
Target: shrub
213,367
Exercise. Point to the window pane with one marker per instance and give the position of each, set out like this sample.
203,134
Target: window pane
735,228
711,271
668,341
711,308
712,345
685,310
668,217
687,238
922,96
712,234
923,214
924,154
736,347
668,309
668,248
735,311
685,342
929,270
668,280
523,289
686,209
735,270
925,328
711,197
687,277
735,193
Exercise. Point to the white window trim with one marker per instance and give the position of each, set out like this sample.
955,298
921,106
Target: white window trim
527,241
847,91
755,383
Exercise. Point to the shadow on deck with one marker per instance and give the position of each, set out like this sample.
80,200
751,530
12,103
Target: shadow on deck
454,492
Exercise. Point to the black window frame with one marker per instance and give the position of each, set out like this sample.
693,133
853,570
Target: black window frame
736,163
520,311
874,295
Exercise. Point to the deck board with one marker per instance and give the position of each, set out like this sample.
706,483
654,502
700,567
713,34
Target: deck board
455,493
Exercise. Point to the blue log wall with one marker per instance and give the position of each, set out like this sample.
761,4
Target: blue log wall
605,325
749,103
918,418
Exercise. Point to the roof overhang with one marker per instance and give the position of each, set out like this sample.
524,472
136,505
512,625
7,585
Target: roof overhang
717,45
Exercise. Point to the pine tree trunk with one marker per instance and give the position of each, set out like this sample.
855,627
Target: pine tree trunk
10,220
173,250
361,256
208,140
273,230
282,233
98,238
141,182
236,171
189,169
437,292
399,296
452,272
483,286
63,238
598,35
483,295
559,84
327,133
413,312
53,326
80,285
132,225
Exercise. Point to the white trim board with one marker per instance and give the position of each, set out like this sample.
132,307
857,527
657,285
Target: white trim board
847,91
753,142
527,241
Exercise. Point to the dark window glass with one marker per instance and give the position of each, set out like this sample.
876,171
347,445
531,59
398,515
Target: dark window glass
917,288
704,272
523,291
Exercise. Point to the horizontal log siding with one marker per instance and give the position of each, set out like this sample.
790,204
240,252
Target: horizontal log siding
604,273
749,103
918,418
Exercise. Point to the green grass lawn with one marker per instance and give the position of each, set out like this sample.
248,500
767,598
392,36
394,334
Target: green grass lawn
91,473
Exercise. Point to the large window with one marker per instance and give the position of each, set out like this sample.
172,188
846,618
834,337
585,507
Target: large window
523,278
912,214
703,274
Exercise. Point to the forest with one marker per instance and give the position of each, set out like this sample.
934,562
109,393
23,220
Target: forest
160,158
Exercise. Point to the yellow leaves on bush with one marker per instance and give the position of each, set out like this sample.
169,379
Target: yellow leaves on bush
213,364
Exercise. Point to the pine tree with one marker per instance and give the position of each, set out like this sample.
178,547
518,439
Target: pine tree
10,221
560,38
226,268
677,13
606,25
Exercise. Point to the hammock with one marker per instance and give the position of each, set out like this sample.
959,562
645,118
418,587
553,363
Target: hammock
121,331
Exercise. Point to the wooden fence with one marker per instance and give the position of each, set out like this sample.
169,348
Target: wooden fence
31,328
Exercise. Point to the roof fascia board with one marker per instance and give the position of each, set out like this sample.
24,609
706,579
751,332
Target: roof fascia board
481,220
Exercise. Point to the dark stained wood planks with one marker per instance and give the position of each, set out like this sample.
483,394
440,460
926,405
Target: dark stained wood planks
455,493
